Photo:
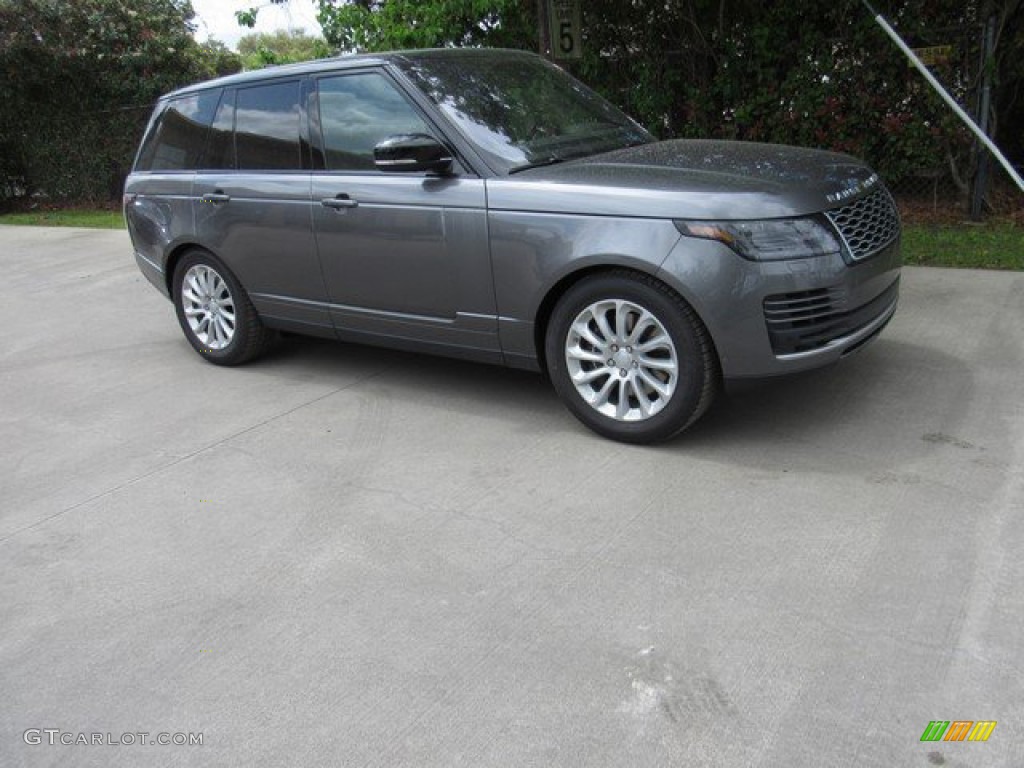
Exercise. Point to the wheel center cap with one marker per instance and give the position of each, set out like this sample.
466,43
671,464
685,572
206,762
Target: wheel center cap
623,359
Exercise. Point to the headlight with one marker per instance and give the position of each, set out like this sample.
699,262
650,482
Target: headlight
767,240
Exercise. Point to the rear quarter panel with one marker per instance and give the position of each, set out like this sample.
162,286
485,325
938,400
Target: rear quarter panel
158,212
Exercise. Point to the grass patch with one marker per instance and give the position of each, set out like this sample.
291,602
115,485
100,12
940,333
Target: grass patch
66,217
993,245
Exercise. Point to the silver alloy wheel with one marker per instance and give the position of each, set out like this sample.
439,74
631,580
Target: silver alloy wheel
621,360
208,306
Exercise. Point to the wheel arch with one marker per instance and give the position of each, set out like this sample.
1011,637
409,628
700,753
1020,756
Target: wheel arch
171,263
547,305
178,252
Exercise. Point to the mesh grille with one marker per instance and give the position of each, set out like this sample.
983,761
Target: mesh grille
867,225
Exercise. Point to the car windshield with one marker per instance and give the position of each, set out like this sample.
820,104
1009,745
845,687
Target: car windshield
520,110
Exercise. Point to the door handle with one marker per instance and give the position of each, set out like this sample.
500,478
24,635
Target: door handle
339,202
214,197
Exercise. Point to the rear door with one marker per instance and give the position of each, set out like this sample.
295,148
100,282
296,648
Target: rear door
404,255
252,202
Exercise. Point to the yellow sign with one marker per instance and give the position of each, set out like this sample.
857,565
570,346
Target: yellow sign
937,54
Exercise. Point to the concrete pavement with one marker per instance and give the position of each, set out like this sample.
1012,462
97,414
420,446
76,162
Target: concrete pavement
346,556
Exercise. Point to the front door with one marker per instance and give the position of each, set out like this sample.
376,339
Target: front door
404,255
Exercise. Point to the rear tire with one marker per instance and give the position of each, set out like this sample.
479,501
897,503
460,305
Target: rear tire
630,358
215,312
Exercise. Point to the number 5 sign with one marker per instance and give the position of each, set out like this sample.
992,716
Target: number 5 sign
565,26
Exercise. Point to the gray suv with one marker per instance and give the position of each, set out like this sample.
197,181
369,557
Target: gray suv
483,204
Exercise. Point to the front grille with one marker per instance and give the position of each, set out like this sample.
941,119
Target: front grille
867,225
809,320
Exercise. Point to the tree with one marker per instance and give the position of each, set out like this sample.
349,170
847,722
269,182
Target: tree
375,25
216,60
280,47
819,73
79,82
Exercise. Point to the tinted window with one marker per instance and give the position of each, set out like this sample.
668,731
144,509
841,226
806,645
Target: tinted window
178,136
220,149
357,112
267,127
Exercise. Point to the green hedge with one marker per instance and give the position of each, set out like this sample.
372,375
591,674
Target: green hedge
78,79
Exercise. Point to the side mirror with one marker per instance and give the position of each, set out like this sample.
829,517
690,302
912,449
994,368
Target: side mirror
411,153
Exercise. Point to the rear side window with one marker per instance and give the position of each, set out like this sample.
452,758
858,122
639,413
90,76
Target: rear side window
267,127
177,137
220,151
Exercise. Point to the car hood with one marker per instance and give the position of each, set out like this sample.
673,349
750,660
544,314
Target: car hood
689,180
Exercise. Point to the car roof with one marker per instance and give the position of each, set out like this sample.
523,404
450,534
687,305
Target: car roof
345,62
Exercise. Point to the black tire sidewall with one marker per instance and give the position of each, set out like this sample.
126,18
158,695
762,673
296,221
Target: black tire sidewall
682,326
236,350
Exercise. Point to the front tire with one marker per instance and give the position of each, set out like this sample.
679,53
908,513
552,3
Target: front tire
215,312
630,358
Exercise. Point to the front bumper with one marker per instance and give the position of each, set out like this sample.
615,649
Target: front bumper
772,318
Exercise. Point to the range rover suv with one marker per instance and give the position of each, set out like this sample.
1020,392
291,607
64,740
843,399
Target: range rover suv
484,204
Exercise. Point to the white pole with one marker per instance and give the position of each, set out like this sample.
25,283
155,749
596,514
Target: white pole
982,137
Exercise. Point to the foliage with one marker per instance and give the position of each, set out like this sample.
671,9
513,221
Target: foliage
819,73
375,25
247,16
78,78
280,47
214,59
79,81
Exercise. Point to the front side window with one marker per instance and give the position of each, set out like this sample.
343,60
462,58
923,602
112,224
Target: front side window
178,136
267,127
359,111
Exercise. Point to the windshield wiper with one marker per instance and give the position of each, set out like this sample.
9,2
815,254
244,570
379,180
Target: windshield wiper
536,164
